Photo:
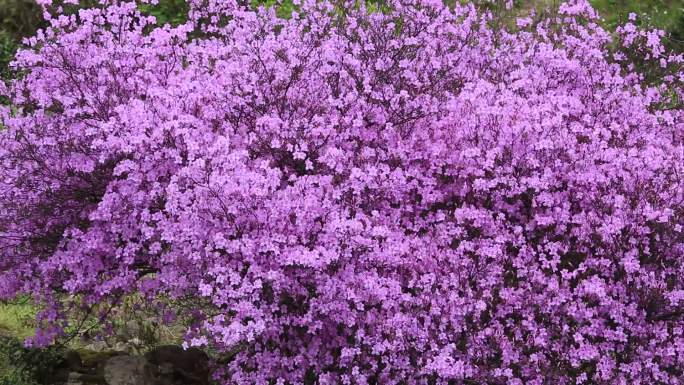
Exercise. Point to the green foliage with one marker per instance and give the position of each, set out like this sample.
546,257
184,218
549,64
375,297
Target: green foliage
15,377
17,318
8,47
664,14
19,18
283,8
25,366
174,12
16,364
667,15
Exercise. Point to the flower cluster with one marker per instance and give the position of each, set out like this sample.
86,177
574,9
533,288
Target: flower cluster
351,197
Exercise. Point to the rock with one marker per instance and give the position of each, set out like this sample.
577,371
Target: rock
76,378
72,360
97,346
179,366
131,330
128,370
94,361
164,365
121,347
60,376
165,369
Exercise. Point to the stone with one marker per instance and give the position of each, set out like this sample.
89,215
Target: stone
180,366
97,346
60,376
165,369
128,370
72,360
132,328
94,360
76,378
121,347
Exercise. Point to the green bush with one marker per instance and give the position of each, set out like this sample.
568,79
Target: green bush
664,14
17,318
173,12
667,15
25,366
16,378
19,18
8,47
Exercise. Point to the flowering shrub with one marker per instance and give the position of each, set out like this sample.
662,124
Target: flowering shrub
398,197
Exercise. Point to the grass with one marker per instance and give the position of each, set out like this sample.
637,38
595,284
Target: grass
16,319
663,14
16,323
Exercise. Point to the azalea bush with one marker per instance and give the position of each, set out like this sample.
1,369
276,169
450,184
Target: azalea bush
402,196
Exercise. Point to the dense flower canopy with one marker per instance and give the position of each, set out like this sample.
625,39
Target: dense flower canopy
400,197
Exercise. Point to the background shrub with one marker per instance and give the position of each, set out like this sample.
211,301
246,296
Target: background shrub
23,366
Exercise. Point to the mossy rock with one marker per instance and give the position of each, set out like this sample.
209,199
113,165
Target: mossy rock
95,360
89,379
